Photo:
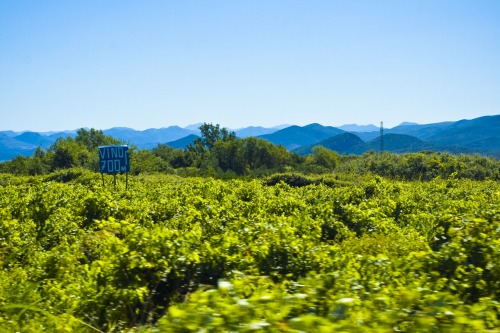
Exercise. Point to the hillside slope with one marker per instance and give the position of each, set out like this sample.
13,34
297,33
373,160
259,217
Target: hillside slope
345,143
35,139
183,142
400,143
481,134
296,136
10,148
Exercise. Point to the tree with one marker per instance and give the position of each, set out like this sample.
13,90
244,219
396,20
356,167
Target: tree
38,164
210,134
17,166
94,138
80,151
145,161
325,157
177,158
68,153
245,155
230,155
261,153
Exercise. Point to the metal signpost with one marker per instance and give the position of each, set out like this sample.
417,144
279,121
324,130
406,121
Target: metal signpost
114,159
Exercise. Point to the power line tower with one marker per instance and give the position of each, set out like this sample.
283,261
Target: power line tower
381,136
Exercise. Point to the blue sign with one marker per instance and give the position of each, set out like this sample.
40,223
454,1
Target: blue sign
114,159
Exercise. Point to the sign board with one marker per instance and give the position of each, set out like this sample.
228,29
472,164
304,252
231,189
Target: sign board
114,159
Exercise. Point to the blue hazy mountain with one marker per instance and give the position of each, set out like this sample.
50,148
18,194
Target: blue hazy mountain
358,128
254,131
351,144
10,147
480,135
422,132
345,143
183,142
35,139
401,143
149,138
296,136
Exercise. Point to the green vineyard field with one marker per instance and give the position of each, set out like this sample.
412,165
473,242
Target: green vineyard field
172,254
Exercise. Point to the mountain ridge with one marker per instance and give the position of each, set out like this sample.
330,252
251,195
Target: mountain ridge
478,135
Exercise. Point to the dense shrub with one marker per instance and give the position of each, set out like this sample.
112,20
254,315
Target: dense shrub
176,254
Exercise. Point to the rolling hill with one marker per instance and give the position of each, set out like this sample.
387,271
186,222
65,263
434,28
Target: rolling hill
401,143
345,143
10,148
481,133
296,136
183,142
348,143
35,139
422,132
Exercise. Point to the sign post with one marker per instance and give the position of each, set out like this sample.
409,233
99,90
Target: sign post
114,159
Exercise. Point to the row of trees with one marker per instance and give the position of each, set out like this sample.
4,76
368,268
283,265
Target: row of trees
218,153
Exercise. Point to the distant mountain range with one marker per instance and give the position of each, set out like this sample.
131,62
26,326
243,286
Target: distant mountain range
479,135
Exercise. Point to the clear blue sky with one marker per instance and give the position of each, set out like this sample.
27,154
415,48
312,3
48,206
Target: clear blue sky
149,64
